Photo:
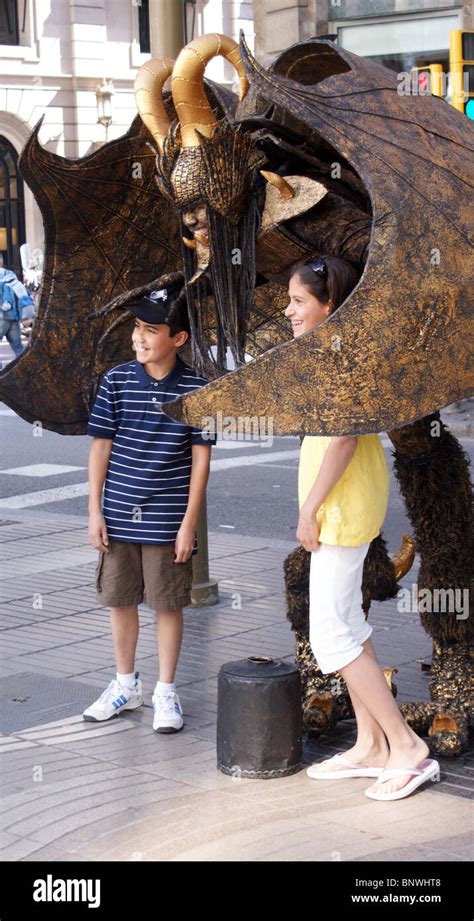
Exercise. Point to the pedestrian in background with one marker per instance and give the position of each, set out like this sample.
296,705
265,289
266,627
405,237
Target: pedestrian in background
16,304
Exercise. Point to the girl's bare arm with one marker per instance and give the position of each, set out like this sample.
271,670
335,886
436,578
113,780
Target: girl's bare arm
335,461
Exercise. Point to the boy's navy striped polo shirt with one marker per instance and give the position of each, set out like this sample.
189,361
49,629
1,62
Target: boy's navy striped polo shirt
146,489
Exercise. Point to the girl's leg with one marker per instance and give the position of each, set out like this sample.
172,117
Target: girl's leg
124,622
338,632
169,634
371,745
366,678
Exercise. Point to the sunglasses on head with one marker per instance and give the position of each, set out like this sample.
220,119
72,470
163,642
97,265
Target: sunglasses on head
319,268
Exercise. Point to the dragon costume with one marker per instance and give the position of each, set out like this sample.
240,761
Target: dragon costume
320,153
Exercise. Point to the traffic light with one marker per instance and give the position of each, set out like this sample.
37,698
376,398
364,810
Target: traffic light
427,80
461,63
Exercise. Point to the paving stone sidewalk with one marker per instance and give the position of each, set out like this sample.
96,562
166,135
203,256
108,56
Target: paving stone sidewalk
118,791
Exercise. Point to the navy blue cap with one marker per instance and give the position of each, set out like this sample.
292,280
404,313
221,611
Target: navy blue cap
153,307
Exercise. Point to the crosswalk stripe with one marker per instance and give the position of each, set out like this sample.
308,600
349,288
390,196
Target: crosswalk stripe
73,491
43,496
41,470
249,460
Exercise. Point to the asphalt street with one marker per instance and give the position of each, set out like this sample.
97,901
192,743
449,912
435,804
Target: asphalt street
252,489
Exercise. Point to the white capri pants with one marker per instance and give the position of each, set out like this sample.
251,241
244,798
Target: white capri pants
337,625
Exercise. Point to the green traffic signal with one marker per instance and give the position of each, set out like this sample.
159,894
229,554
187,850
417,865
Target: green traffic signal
469,110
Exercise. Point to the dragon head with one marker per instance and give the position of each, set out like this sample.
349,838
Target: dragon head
209,171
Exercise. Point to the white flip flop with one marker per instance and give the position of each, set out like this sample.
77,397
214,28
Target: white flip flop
427,770
351,770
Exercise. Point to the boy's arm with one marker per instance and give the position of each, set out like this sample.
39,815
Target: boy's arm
98,464
336,459
200,465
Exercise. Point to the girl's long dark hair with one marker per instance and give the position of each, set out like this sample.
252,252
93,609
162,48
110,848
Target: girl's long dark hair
341,279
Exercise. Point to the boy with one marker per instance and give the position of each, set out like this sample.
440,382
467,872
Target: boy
155,471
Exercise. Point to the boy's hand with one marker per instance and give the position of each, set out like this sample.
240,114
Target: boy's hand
308,530
98,537
184,543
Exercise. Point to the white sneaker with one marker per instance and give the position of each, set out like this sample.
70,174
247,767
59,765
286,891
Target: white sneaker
168,715
114,699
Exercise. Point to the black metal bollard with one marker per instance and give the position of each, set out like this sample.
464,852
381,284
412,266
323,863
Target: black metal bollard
259,718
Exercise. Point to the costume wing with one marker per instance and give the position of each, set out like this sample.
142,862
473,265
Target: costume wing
400,346
107,229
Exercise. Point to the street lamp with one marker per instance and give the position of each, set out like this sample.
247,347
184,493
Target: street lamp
103,94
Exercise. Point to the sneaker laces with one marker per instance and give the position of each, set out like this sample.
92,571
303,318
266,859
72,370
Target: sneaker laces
165,700
112,691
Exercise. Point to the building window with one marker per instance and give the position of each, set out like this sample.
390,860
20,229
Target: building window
9,23
143,26
360,9
401,43
12,213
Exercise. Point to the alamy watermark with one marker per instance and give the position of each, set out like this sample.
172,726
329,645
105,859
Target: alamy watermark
434,601
238,428
67,890
421,84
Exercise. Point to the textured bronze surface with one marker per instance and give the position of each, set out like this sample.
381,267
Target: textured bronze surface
333,379
108,230
400,347
201,158
220,171
446,718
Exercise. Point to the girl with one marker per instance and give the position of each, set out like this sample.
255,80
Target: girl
343,495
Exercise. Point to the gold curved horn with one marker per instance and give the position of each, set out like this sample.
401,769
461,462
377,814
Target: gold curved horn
284,187
189,97
148,89
402,560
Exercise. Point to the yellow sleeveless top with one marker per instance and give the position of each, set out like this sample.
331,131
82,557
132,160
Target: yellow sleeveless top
354,510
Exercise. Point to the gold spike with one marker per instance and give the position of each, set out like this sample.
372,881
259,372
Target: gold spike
402,560
191,244
388,674
284,187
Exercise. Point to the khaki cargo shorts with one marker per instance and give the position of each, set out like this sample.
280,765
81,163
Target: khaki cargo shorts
135,573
